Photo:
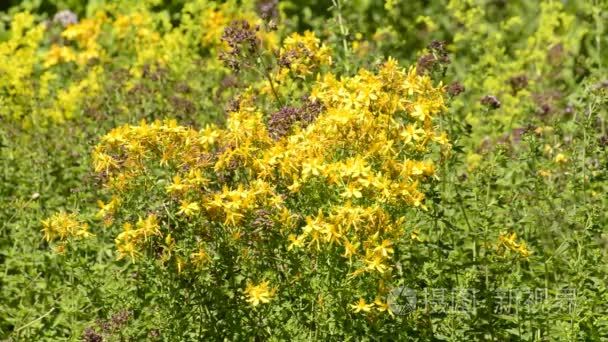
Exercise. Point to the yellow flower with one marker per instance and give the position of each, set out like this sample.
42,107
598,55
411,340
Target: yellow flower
303,54
509,242
127,242
560,158
60,248
412,134
179,264
59,54
148,226
375,263
195,177
62,226
415,236
351,191
103,162
383,306
177,186
296,241
361,306
260,293
350,249
312,168
385,248
544,173
107,209
523,250
295,186
188,208
200,258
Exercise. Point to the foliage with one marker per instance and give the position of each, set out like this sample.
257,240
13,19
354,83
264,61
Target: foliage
303,170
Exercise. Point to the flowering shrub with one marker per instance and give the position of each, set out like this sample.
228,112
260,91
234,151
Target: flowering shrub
335,188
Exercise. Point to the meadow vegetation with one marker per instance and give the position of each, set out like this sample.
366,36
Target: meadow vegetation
304,170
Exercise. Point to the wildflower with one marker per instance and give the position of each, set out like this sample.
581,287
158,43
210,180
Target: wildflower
179,264
260,293
523,250
59,54
415,236
90,335
280,122
385,248
127,242
490,101
296,241
268,9
295,186
177,186
241,38
65,18
108,209
375,262
148,226
361,306
352,190
411,133
560,158
425,63
383,306
103,162
188,208
302,54
195,177
62,225
350,249
200,258
366,134
518,83
455,88
509,242
313,168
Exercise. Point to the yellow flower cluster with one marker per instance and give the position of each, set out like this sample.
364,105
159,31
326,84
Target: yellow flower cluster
18,59
25,84
363,307
508,242
367,153
85,34
46,79
63,226
130,240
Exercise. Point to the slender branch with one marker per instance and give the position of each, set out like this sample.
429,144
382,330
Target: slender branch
343,31
36,320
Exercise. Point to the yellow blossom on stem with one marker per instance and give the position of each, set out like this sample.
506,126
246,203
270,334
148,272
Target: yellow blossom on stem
188,208
509,242
361,306
61,226
560,158
259,294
